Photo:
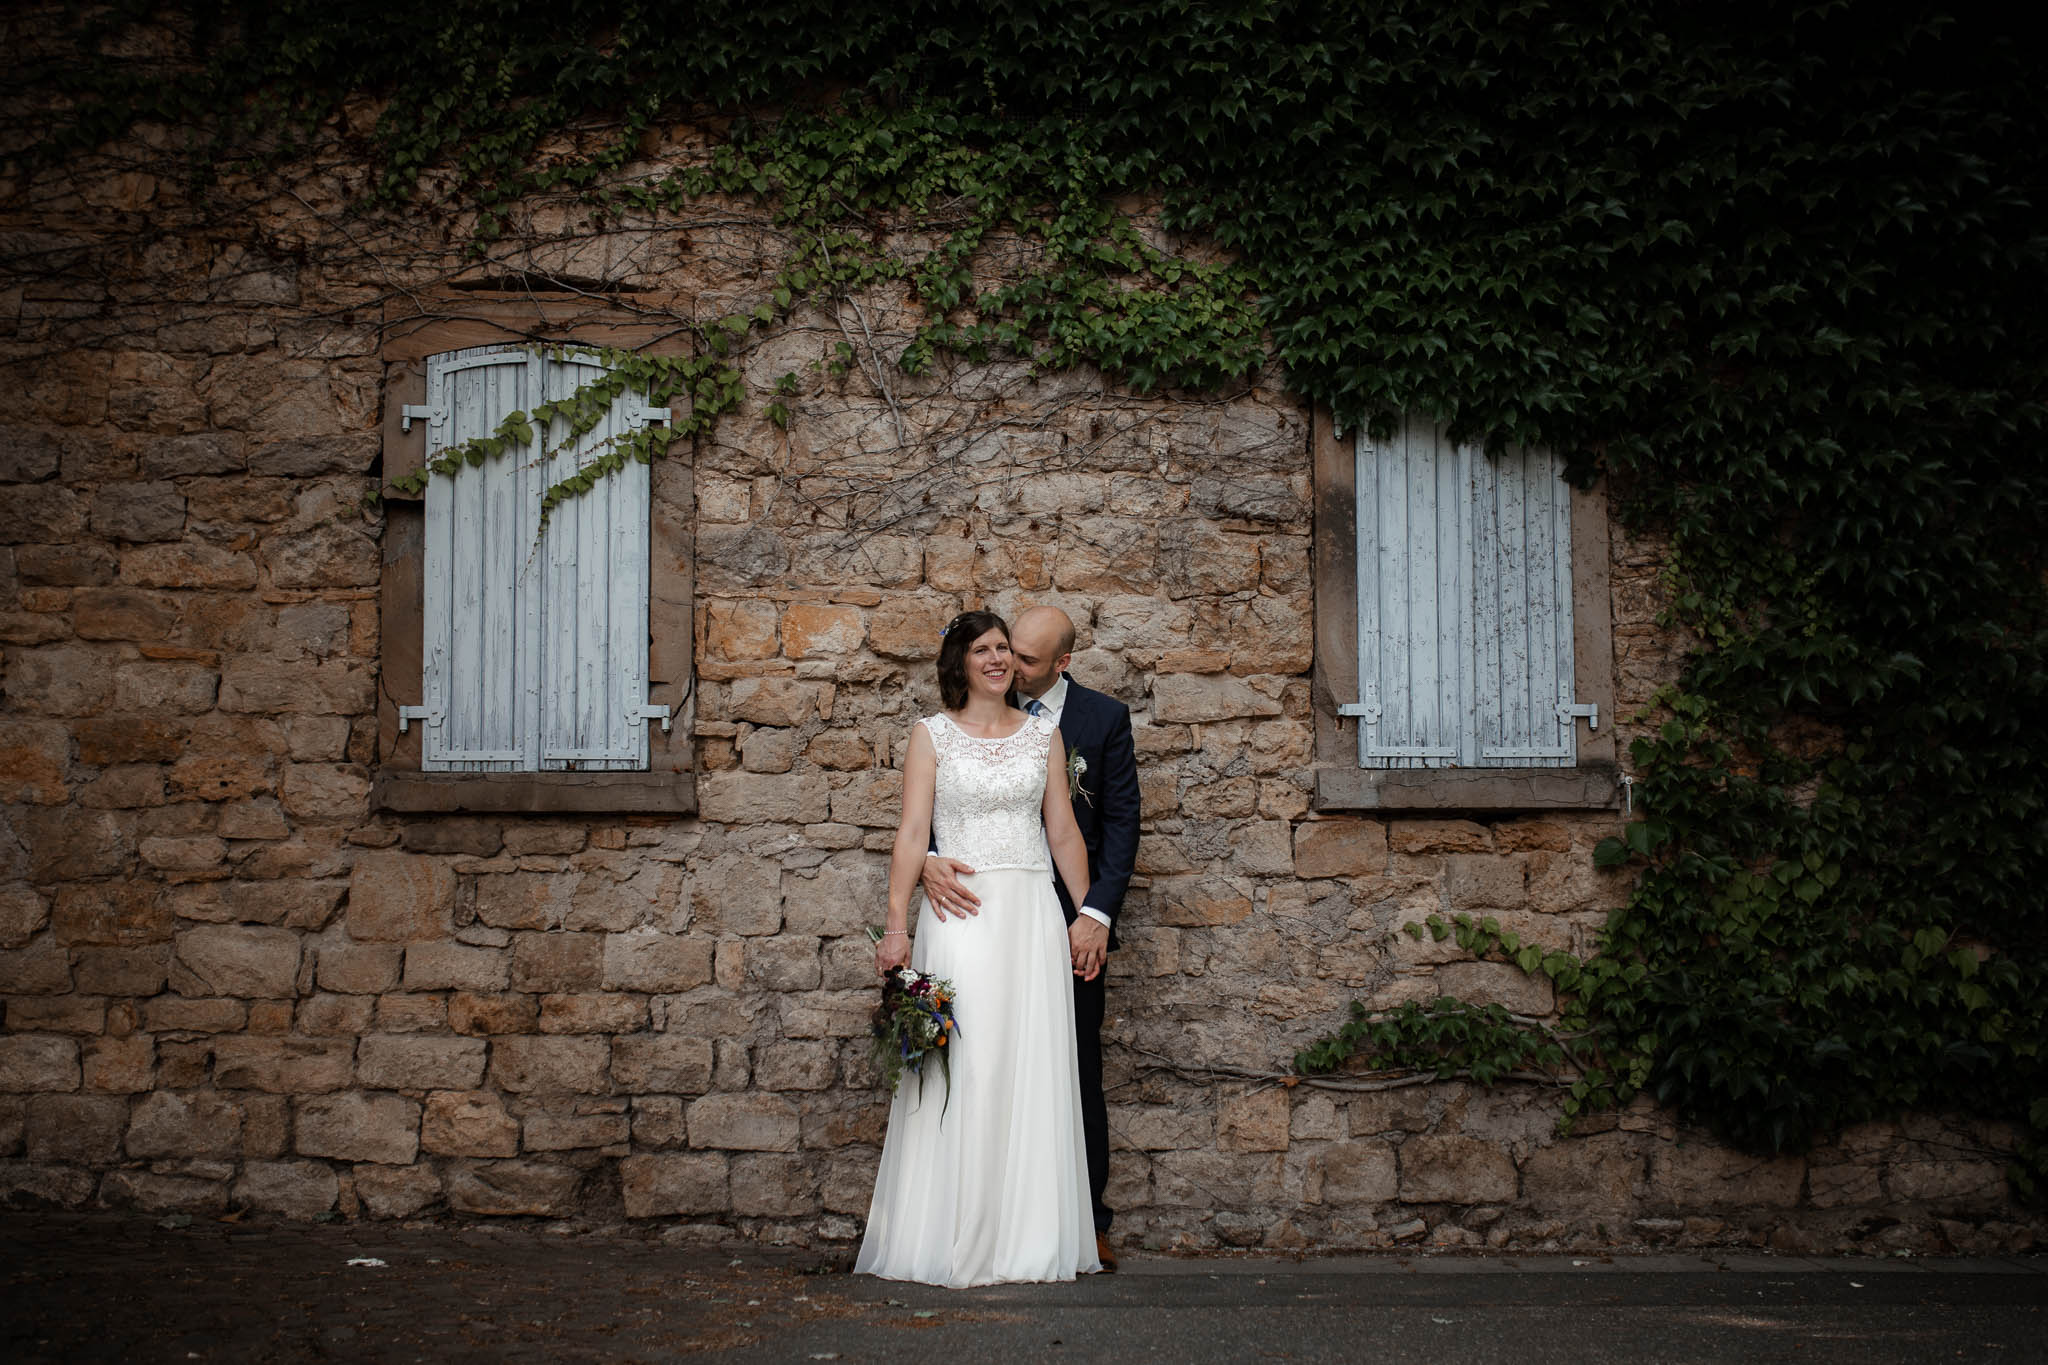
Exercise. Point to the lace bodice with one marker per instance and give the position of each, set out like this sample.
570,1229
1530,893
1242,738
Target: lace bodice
985,809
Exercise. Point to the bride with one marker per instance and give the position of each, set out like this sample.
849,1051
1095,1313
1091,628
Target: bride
987,1182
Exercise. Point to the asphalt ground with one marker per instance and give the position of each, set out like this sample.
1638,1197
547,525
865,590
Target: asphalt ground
121,1288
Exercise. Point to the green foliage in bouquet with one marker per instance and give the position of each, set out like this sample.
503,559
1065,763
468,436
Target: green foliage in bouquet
913,1024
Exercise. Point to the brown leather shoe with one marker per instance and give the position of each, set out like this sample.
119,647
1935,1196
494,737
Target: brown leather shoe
1104,1254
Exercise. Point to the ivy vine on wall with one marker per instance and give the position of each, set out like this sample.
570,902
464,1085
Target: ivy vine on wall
1777,271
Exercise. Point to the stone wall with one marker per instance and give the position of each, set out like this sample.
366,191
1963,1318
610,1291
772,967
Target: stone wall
229,982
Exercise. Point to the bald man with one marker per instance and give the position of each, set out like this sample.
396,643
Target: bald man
1102,769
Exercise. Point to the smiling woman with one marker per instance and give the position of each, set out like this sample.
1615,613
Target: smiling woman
973,649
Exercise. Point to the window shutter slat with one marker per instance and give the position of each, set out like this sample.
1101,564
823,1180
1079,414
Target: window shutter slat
1522,572
479,647
1413,617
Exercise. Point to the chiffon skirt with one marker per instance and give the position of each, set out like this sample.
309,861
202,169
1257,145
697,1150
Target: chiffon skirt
989,1184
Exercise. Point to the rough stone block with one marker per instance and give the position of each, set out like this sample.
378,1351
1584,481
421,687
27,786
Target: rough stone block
1486,881
512,1188
743,798
30,1062
471,1123
1194,698
647,960
658,1122
268,686
738,894
199,1124
1947,1183
797,1066
1340,848
27,1186
772,1186
782,702
1438,836
411,1061
661,1186
748,1122
353,1126
85,1014
456,967
154,1193
873,800
34,758
662,1063
294,1189
557,961
1198,902
175,1013
119,1066
283,1066
1496,983
827,1014
121,913
399,898
236,960
42,968
358,968
1359,1173
335,1016
740,629
327,556
523,1065
574,1132
1697,1176
77,1130
452,834
593,1013
1257,1122
784,963
1598,1173
1455,1170
491,1015
396,1191
325,793
810,629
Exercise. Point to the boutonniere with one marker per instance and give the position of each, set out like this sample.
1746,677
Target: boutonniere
1077,765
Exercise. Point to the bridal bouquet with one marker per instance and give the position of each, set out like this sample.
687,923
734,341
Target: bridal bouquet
913,1023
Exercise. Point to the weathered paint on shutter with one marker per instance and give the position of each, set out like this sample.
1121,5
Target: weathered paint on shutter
1522,610
595,604
1464,605
1413,627
481,638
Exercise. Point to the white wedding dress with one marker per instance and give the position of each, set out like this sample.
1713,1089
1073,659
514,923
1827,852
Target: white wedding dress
990,1184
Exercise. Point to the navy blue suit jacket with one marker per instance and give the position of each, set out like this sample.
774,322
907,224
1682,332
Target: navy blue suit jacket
1098,728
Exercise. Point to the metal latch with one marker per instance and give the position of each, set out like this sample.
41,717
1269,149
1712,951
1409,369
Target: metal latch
641,416
430,415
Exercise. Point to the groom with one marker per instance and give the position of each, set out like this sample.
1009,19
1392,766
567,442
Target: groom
1102,772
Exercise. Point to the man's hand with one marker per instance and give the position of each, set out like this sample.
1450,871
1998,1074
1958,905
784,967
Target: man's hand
1088,939
944,889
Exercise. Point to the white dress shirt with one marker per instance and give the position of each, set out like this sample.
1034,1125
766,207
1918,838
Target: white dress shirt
1052,705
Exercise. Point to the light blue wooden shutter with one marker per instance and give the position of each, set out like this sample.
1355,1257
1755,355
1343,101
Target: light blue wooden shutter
595,611
1464,606
481,655
535,641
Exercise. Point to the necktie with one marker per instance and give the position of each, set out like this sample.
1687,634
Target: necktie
1035,707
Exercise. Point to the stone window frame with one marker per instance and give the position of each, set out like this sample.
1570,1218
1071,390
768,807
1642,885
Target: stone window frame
1594,783
431,325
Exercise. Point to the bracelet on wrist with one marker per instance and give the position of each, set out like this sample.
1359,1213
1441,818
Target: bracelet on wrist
895,933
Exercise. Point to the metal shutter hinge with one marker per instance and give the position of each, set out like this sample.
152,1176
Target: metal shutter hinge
408,714
430,415
636,714
1567,711
641,416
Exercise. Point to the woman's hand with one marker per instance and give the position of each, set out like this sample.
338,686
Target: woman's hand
891,952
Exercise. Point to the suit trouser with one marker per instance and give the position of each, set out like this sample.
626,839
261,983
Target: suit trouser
1090,1001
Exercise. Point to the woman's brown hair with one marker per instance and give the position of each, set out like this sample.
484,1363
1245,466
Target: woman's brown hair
962,631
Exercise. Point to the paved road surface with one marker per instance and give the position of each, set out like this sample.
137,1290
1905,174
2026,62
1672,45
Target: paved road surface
119,1288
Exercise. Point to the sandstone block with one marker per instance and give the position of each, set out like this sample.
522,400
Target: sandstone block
472,1123
1455,1170
1598,1173
1158,1128
908,627
1257,1122
66,566
327,556
512,1188
335,1016
198,1124
112,913
413,1061
1697,1175
266,686
740,629
26,1186
139,511
774,701
743,798
746,1122
770,1185
1262,848
1340,848
43,514
1438,836
449,834
28,456
1947,1183
119,1066
307,456
188,564
219,777
648,960
1496,983
236,960
810,629
1198,901
77,1130
827,1014
839,750
872,800
556,961
325,793
1192,1179
770,751
208,452
1231,798
469,1013
294,1189
1486,881
174,1013
797,1066
456,966
784,963
665,1185
57,1014
396,1191
1359,1173
593,1012
283,1066
30,1062
35,755
353,1126
658,1121
399,898
524,1065
1191,698
59,681
358,968
574,1132
662,1063
42,968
